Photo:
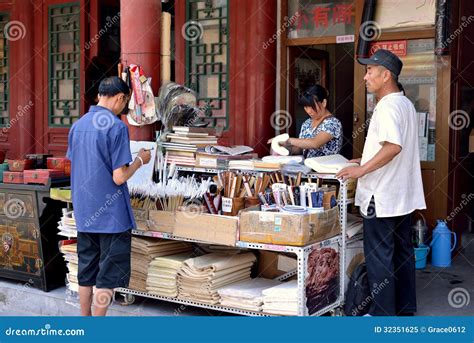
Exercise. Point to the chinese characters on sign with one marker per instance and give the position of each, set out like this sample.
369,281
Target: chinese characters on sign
398,47
320,16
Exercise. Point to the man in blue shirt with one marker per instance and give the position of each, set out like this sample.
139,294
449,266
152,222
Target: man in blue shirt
101,164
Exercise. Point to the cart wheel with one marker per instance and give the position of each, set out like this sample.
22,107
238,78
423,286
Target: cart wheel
128,299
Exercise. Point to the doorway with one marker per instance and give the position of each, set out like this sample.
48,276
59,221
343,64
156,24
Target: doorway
332,66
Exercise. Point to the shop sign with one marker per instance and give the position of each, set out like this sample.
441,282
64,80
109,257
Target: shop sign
323,16
398,47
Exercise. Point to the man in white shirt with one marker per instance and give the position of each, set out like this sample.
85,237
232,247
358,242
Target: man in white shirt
389,189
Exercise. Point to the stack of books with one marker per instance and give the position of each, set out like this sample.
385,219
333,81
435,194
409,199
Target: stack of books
69,250
184,142
218,156
197,147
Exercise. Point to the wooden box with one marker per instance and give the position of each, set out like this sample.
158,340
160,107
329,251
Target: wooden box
12,177
41,176
20,165
39,160
67,168
56,163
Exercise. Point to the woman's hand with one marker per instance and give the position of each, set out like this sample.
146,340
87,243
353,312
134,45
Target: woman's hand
286,143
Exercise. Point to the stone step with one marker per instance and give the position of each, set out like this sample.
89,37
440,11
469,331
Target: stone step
19,299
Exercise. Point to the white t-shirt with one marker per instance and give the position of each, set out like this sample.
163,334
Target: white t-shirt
397,186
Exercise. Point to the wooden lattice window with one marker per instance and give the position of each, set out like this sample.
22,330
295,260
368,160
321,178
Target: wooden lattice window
4,82
64,64
207,57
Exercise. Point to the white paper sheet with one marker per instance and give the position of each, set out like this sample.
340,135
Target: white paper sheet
145,173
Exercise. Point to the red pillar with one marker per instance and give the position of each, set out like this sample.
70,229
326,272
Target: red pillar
22,107
140,44
252,79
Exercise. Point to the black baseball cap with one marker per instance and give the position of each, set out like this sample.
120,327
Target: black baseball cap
386,59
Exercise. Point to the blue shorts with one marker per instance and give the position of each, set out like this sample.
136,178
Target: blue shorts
104,259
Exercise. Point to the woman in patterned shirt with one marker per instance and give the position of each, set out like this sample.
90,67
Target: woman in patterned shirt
321,133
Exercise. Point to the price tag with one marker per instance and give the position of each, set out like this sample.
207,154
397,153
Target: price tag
226,204
157,234
208,162
344,39
274,247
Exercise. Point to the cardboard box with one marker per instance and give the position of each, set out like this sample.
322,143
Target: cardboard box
141,217
272,264
162,221
207,227
289,229
351,189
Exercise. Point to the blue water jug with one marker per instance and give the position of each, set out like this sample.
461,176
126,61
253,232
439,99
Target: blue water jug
441,247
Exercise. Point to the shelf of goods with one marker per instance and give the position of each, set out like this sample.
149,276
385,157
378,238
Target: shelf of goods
215,171
321,267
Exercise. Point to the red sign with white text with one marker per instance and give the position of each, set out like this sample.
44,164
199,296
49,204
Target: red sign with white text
398,47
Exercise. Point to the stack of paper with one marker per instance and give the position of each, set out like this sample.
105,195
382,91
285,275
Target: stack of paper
354,225
67,225
144,250
69,250
330,164
201,277
281,299
246,294
283,159
163,274
266,165
241,164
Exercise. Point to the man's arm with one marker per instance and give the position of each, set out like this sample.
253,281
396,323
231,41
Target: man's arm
385,155
381,158
122,174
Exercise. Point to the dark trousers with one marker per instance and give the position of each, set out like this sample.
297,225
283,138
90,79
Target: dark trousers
390,261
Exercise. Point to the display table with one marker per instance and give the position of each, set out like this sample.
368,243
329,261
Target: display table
320,287
28,233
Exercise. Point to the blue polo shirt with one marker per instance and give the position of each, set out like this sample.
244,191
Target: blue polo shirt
99,144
